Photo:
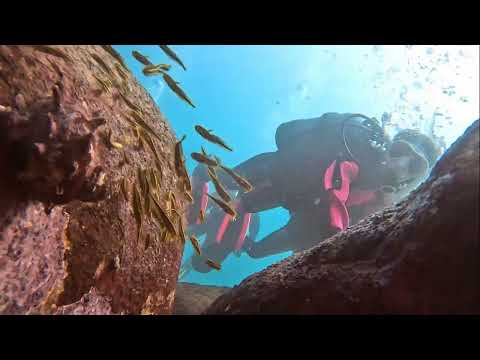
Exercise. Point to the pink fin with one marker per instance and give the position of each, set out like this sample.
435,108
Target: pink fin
243,232
223,227
339,217
348,173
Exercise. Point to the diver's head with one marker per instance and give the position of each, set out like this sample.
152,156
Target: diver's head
411,155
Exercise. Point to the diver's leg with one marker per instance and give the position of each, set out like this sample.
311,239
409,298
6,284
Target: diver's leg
311,227
198,264
211,249
259,199
303,231
215,252
259,171
275,243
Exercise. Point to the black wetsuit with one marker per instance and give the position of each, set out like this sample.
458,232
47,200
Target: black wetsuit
292,177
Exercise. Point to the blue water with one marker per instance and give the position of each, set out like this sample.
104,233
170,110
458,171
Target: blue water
244,92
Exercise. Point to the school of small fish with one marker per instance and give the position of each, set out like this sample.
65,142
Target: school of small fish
145,189
162,69
146,201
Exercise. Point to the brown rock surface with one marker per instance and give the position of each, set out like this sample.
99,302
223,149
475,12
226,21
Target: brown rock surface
65,225
91,303
193,299
420,256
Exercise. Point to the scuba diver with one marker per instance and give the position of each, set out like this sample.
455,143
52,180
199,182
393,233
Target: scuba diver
220,240
328,172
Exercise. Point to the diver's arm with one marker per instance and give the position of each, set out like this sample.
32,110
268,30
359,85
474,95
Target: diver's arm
255,170
275,243
200,177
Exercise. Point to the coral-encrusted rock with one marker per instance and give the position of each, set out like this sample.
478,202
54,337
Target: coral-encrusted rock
65,225
420,256
193,299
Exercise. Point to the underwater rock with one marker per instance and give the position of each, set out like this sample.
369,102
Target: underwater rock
91,303
193,299
420,256
65,147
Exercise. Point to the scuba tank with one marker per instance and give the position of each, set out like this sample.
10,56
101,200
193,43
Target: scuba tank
345,135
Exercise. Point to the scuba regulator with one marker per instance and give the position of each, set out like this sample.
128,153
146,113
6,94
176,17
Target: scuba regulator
366,143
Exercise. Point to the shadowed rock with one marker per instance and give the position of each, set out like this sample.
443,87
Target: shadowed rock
193,299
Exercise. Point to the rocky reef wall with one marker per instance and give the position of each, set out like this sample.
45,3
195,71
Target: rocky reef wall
68,234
